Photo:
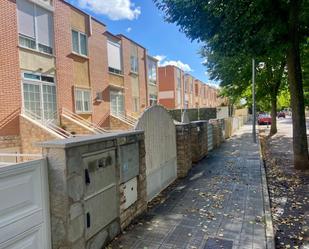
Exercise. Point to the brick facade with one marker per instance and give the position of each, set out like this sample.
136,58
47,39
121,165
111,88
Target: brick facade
98,68
201,96
10,82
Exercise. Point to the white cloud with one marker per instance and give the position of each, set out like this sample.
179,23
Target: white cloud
212,84
129,29
160,58
164,62
113,9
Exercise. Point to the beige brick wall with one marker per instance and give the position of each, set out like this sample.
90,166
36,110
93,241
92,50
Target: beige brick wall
9,142
30,134
117,124
72,127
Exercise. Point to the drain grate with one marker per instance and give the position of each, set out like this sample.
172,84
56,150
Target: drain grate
216,243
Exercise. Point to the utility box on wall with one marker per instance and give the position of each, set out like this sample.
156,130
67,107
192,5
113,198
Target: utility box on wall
129,169
100,188
129,162
130,192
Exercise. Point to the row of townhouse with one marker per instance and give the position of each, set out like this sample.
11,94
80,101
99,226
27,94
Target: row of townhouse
62,71
180,90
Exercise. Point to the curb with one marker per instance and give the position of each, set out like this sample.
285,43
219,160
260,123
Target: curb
269,231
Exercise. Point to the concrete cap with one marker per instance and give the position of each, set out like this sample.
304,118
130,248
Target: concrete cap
84,140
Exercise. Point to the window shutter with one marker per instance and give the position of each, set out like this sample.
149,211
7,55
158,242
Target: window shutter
25,12
44,20
114,55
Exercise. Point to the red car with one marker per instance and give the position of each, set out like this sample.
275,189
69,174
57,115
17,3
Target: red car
264,119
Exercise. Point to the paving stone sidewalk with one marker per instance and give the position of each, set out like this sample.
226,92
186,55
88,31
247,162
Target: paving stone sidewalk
219,205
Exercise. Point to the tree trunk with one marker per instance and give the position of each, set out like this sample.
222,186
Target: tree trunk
300,144
273,128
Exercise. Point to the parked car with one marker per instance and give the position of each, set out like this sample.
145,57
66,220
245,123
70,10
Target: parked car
264,119
281,115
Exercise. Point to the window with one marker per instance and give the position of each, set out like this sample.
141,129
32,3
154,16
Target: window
79,43
134,59
153,99
152,71
191,87
117,102
114,57
35,27
82,100
39,95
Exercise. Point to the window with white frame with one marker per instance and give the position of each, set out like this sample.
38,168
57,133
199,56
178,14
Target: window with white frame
39,96
152,71
82,100
35,27
134,59
79,43
114,57
153,99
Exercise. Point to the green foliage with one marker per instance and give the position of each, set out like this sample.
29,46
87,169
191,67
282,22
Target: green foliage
230,27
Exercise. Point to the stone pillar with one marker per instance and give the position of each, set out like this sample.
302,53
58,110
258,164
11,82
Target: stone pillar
199,140
184,152
85,191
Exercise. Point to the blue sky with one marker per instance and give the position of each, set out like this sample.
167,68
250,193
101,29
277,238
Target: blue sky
143,22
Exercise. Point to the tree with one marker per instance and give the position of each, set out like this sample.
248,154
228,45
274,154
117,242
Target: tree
234,75
256,28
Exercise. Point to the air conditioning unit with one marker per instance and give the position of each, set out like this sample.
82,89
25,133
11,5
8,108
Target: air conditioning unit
99,97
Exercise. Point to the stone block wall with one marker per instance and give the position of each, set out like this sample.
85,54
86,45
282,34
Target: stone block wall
198,140
217,132
184,152
73,190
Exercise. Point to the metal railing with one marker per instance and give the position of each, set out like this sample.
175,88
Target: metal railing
13,158
48,125
9,118
127,119
82,122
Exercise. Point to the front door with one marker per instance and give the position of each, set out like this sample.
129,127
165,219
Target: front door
117,102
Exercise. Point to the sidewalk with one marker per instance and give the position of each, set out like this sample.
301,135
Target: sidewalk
219,205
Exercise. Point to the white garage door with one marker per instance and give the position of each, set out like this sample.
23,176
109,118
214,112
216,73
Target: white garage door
24,207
